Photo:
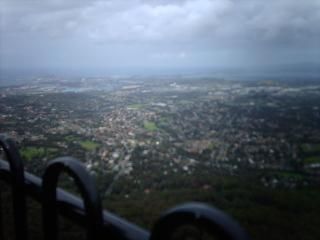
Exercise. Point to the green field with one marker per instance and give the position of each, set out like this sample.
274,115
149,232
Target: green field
71,138
310,148
89,145
312,159
150,126
30,153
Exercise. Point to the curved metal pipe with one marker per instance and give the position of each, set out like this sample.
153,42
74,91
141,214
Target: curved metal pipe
18,191
213,221
72,207
84,182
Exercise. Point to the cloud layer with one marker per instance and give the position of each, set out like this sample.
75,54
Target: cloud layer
173,30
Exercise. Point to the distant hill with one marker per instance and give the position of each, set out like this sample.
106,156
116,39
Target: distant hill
288,71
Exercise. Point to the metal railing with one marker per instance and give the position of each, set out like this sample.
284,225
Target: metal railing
174,224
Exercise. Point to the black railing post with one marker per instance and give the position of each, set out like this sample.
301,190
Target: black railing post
206,218
1,226
84,182
18,191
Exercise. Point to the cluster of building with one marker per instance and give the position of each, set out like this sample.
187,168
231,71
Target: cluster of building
173,127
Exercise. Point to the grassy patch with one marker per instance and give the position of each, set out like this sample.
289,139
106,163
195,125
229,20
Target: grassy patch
312,159
150,126
290,175
30,153
212,146
71,138
310,148
89,145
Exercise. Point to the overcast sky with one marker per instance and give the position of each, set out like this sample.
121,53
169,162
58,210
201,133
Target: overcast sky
88,34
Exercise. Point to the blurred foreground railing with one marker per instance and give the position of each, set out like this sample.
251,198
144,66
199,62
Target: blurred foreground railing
188,221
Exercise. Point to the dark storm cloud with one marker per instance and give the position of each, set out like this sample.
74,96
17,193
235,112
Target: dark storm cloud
172,20
183,32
